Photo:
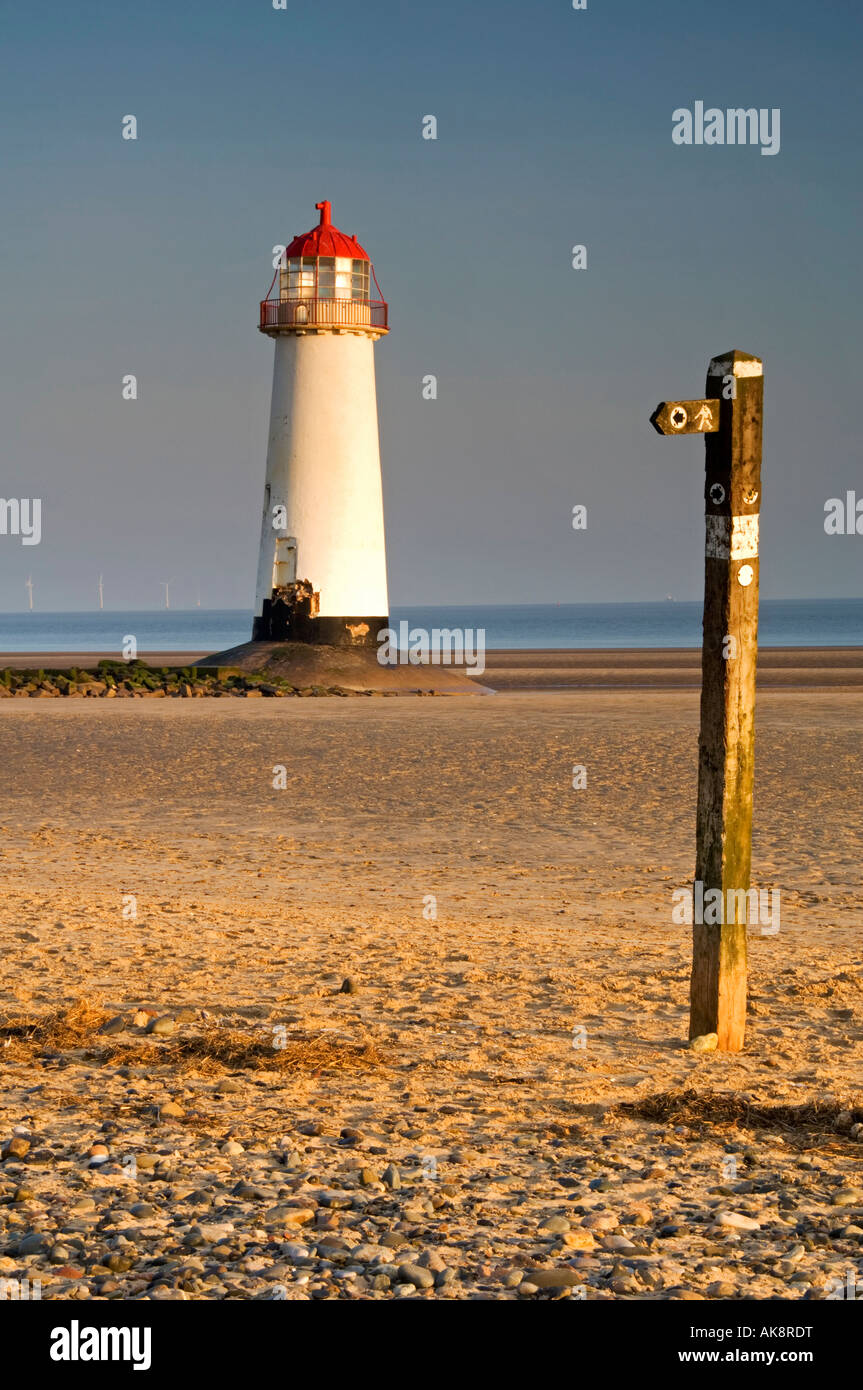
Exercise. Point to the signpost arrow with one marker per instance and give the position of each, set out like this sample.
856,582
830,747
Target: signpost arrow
731,418
686,417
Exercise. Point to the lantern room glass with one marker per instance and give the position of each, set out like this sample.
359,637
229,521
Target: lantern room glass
323,277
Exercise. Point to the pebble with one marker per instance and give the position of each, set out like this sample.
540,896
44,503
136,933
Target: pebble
553,1278
299,1216
555,1225
579,1239
617,1243
847,1197
33,1244
119,1264
737,1221
336,1201
117,1024
637,1216
721,1288
600,1221
393,1240
16,1148
293,1251
365,1254
624,1284
392,1177
162,1026
705,1042
416,1275
417,1212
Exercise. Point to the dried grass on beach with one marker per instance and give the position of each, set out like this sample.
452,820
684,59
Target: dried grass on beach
211,1051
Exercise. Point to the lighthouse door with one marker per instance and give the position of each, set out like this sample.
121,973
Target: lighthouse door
285,566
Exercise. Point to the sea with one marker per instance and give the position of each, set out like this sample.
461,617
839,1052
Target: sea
783,623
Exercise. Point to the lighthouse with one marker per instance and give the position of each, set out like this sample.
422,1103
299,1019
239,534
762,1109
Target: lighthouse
322,568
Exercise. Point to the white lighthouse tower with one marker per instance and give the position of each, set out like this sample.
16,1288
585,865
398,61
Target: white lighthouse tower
322,571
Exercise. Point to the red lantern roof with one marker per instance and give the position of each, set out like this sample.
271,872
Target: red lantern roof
326,240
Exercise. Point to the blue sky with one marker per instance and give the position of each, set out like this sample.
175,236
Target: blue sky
554,128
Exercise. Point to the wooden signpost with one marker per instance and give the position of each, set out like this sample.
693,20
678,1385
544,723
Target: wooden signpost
730,417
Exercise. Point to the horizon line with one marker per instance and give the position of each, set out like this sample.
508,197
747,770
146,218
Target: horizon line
507,607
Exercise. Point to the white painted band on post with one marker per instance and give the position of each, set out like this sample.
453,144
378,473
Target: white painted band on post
732,537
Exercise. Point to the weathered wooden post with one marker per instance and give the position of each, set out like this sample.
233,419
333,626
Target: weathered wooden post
730,418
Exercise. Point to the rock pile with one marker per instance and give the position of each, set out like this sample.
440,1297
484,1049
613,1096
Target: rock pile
137,680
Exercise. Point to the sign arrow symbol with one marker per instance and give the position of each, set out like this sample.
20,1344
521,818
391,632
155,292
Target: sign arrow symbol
686,417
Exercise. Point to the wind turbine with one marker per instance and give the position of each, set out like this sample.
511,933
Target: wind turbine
28,585
101,599
166,585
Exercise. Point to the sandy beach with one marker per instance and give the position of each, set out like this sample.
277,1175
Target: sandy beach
468,980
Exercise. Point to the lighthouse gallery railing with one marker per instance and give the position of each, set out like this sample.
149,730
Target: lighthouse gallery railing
315,312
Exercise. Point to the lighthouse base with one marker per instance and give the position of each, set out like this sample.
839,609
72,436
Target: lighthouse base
307,664
285,622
